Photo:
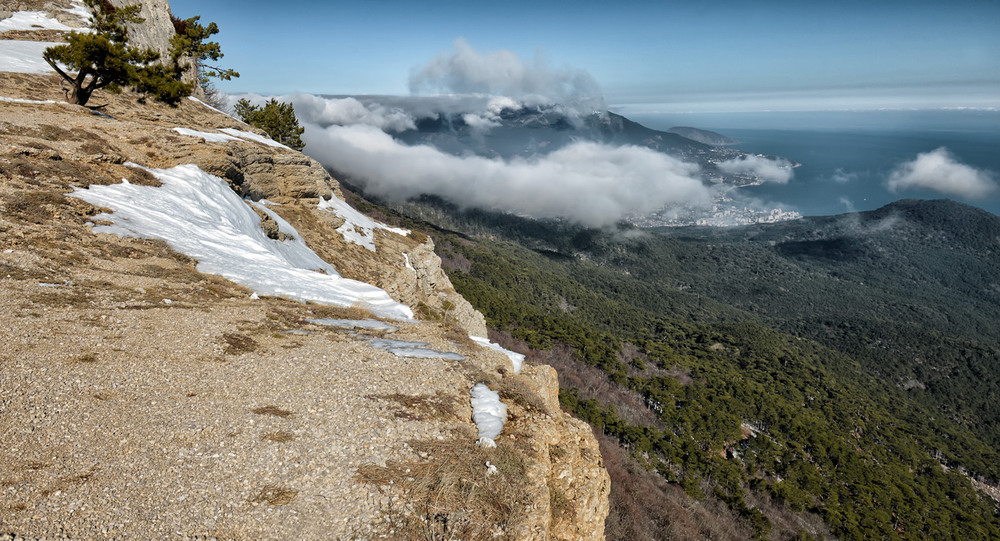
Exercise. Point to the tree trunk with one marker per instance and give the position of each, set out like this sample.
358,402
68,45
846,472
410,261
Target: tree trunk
77,95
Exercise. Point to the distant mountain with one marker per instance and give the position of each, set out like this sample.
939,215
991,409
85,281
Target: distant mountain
528,131
703,136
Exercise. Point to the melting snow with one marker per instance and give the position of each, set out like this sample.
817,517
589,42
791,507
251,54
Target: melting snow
489,413
198,215
370,324
416,350
515,358
389,343
357,227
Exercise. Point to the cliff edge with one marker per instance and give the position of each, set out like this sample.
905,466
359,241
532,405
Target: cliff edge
142,398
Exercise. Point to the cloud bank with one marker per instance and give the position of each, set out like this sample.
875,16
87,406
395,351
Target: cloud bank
938,170
766,169
464,70
589,183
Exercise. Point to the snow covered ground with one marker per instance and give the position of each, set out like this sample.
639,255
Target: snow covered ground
198,215
32,20
24,56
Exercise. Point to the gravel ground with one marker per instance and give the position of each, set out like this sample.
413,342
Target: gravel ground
126,417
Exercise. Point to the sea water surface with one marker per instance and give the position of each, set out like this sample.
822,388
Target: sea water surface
847,157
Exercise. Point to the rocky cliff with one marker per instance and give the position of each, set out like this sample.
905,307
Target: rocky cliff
140,398
155,32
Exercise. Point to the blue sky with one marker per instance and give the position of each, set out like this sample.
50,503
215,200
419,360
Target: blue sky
723,56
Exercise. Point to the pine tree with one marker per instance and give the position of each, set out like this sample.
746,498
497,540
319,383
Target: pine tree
102,58
276,118
189,42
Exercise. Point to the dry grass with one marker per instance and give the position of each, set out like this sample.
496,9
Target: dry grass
519,390
450,495
274,495
280,436
272,410
59,298
87,358
320,311
36,207
425,407
18,273
237,343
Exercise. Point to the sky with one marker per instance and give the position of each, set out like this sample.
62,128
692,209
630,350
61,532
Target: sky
645,57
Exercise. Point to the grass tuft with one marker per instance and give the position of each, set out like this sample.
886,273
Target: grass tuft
280,436
272,410
275,495
438,406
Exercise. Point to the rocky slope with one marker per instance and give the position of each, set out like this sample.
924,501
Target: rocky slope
140,398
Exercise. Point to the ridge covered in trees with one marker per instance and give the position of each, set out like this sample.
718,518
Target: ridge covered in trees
745,398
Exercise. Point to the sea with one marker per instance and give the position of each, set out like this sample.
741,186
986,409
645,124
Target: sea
846,157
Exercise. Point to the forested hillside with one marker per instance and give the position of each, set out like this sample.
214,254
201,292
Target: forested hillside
839,368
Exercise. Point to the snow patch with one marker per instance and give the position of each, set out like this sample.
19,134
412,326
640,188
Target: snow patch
198,215
25,56
489,413
357,227
192,98
81,11
229,134
209,137
251,136
19,100
33,20
515,358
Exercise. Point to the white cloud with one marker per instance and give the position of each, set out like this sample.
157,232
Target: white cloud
938,170
848,204
766,169
502,73
841,176
589,183
348,111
